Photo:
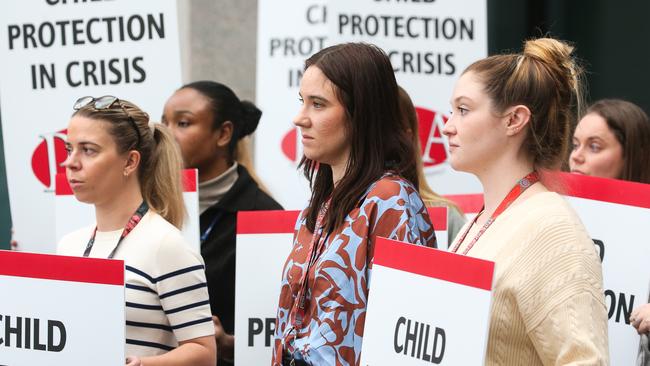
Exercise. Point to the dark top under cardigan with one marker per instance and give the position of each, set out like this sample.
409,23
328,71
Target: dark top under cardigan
218,249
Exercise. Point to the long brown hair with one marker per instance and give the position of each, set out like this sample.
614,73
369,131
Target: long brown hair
364,82
547,79
630,124
159,172
411,125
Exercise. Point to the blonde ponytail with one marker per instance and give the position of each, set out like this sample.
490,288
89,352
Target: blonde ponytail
160,166
162,187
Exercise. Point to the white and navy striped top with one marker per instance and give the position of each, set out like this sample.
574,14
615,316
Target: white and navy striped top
166,295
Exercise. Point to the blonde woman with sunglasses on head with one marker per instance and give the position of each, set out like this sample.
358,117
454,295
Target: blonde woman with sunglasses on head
129,169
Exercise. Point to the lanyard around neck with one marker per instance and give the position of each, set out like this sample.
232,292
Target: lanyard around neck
314,251
206,233
515,192
133,222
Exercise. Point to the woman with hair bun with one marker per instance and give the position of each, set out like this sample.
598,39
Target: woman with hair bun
512,119
129,169
210,124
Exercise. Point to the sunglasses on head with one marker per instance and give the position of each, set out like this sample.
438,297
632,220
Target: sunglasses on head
105,102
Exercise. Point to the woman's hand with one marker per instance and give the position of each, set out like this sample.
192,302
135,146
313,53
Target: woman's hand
640,319
225,342
133,361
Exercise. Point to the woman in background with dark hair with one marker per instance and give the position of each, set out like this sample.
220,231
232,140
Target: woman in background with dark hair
612,140
360,164
209,121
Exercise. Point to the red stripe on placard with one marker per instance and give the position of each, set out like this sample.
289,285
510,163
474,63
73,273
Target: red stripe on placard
603,189
438,216
266,222
189,180
434,263
62,186
62,268
468,203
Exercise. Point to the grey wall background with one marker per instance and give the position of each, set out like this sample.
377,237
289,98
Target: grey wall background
218,42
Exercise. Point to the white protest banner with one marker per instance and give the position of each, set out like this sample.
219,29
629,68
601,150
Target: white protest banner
72,214
616,214
422,302
60,310
429,44
286,36
53,52
264,240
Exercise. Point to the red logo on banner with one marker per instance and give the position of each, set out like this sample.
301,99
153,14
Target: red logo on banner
51,146
432,144
290,144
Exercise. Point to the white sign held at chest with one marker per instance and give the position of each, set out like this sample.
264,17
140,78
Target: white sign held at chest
264,240
616,215
60,310
426,321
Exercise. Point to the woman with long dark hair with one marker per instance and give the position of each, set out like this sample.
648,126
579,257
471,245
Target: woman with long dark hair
360,164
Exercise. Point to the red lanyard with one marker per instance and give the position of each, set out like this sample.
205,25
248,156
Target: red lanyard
314,251
514,193
133,222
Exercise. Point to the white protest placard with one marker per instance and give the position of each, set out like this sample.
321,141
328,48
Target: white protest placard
429,44
72,214
264,240
616,215
286,36
60,310
53,52
422,302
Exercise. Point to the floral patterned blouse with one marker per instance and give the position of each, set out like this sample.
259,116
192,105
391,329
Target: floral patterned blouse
331,330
